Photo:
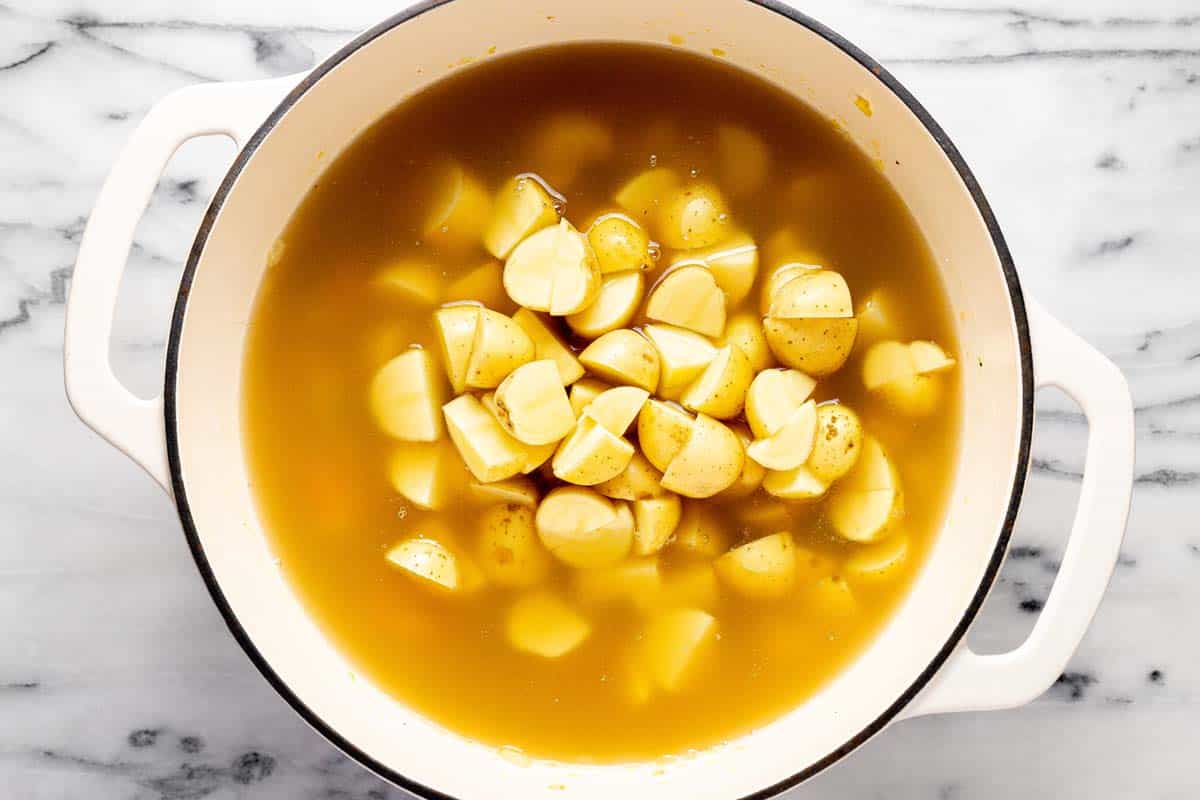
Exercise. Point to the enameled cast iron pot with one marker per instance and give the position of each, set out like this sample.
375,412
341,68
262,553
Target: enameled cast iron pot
190,440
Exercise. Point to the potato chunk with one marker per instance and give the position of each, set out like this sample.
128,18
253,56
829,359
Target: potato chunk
773,396
816,346
406,397
695,215
701,532
565,143
488,451
636,582
616,303
867,501
518,490
876,317
783,273
720,391
694,585
637,481
818,294
880,561
553,270
643,194
459,210
521,207
688,296
543,624
752,474
591,454
763,568
433,564
412,279
837,444
425,473
929,358
623,356
532,455
710,460
791,445
481,285
583,392
798,483
617,408
733,263
655,519
683,355
455,327
906,375
620,244
547,344
509,550
663,430
583,528
674,639
743,160
499,347
532,405
744,331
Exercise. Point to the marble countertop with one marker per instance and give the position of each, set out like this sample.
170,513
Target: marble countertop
118,678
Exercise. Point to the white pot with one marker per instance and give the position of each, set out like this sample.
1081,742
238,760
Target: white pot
189,440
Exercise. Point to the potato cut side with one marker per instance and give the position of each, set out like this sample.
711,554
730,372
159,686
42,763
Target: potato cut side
773,396
733,263
624,357
694,585
459,210
752,474
764,568
426,473
489,453
637,481
744,331
432,563
720,391
510,552
816,346
820,294
663,430
481,285
500,346
553,270
709,461
618,300
544,625
929,358
655,519
407,395
794,484
683,355
583,528
887,362
791,445
565,143
532,404
577,281
688,296
518,490
832,597
674,640
547,345
643,194
701,532
521,207
636,582
867,501
743,160
695,215
781,275
591,454
583,392
873,469
878,562
620,244
411,279
532,455
876,317
837,444
617,408
456,336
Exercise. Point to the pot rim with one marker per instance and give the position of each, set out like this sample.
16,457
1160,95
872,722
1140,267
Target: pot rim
1020,323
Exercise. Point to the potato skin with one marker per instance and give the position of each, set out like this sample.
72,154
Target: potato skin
815,346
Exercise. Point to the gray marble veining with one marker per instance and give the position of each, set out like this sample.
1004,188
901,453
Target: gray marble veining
117,676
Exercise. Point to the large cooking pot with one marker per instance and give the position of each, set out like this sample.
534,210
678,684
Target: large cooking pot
190,440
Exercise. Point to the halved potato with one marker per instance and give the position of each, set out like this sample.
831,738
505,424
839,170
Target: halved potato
636,581
655,519
710,460
733,262
433,564
617,408
929,358
553,270
425,473
642,195
832,597
623,356
744,331
891,368
701,532
509,550
816,346
791,445
483,285
637,481
459,210
543,624
487,450
838,442
566,142
743,160
773,396
683,355
546,344
620,244
521,207
518,490
876,317
617,301
764,568
688,296
867,501
720,391
532,405
455,327
499,347
752,474
411,279
583,392
798,483
532,455
887,362
695,215
591,454
406,397
879,561
817,294
673,640
663,430
694,585
782,274
583,528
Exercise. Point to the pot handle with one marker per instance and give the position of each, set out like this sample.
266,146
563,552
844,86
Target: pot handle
973,682
135,425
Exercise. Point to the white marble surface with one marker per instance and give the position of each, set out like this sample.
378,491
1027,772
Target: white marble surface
117,676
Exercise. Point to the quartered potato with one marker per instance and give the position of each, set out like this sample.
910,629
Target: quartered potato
720,391
831,596
655,519
623,356
700,532
688,296
483,285
411,279
455,327
642,195
583,392
816,346
565,143
543,624
773,396
510,553
499,347
521,207
620,244
435,565
637,582
733,263
426,473
744,331
489,452
637,481
547,344
583,528
837,444
743,159
618,300
406,397
663,430
710,460
752,474
617,408
591,454
695,215
906,374
553,270
782,274
880,561
798,483
683,355
532,455
532,405
518,490
673,640
791,445
816,294
763,568
867,501
459,211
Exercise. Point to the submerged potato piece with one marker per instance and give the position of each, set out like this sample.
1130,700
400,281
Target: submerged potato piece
543,624
620,244
583,528
887,362
764,568
763,512
583,392
700,532
876,317
816,346
880,561
434,564
623,356
532,455
518,490
791,445
773,396
546,344
663,430
743,160
406,397
688,296
710,460
815,294
591,454
867,501
798,483
752,474
532,405
483,284
459,209
655,519
744,331
642,195
733,263
617,408
637,481
521,207
637,582
412,279
837,444
695,215
891,368
672,642
456,336
617,301
782,274
499,347
566,142
683,355
425,473
695,585
929,358
720,391
489,453
509,550
831,596
553,270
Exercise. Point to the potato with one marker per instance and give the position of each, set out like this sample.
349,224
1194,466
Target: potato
764,513
743,160
744,331
483,285
798,483
811,566
459,209
643,194
499,347
785,246
891,368
791,445
694,585
763,568
625,357
620,244
591,454
782,274
509,550
553,270
518,490
752,474
406,397
663,430
583,392
816,346
688,296
411,279
655,519
733,263
426,473
490,453
583,528
532,455
683,355
837,444
617,408
695,215
773,397
673,641
815,294
876,317
543,624
532,405
618,300
636,582
720,391
701,532
831,597
710,460
887,362
455,327
521,207
880,561
434,564
867,501
546,344
929,358
566,142
637,481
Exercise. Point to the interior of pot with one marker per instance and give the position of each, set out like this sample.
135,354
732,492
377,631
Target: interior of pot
342,99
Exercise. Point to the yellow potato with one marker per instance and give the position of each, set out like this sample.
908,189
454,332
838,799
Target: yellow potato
637,481
483,285
643,194
426,473
406,397
929,358
636,582
487,450
694,585
541,623
532,455
673,641
701,532
887,362
547,344
655,519
798,483
791,445
459,210
720,391
838,442
411,279
683,355
499,347
763,568
617,408
743,160
752,474
618,300
764,513
565,143
786,246
773,397
709,461
782,274
553,270
744,331
532,405
876,317
509,550
433,564
880,561
816,346
624,357
663,429
816,294
831,597
518,490
695,215
733,263
890,368
521,207
688,296
867,501
583,528
620,244
591,455
455,327
583,392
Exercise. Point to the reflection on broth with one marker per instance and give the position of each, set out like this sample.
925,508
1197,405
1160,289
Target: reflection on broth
601,423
